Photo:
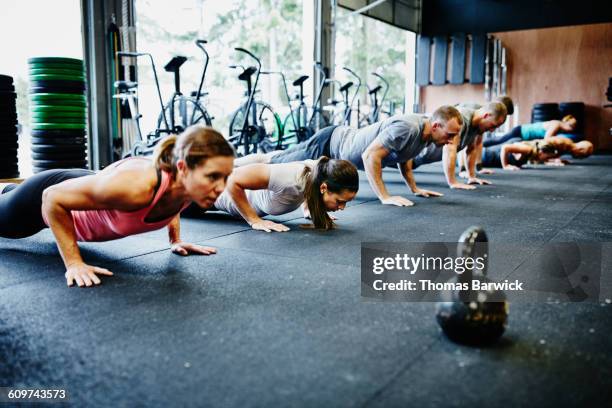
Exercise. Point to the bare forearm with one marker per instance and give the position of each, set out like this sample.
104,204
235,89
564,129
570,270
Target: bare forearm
504,156
174,230
241,201
62,226
406,170
449,161
472,159
373,170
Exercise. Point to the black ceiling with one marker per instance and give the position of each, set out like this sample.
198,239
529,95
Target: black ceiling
486,16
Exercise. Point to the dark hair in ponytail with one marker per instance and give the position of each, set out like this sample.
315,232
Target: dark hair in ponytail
196,144
339,175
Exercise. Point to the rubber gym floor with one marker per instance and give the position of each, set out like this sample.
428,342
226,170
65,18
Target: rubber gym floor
277,319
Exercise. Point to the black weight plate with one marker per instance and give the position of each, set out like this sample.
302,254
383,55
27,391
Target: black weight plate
6,81
9,164
4,116
57,148
58,133
8,152
55,60
545,107
56,90
58,141
62,120
59,83
6,95
59,156
9,175
8,131
54,164
7,105
6,144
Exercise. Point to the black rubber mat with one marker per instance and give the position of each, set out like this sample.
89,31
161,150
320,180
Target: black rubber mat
276,319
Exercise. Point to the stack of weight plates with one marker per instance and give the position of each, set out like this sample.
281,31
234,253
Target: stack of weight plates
8,129
58,113
543,112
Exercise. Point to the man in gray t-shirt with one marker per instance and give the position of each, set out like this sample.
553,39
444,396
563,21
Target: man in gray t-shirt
475,123
391,142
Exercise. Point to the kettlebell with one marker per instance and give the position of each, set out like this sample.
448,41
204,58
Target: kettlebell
467,317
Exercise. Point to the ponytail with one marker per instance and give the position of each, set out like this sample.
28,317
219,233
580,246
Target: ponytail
163,156
194,145
338,175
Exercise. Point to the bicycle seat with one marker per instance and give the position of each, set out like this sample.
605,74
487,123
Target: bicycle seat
300,80
374,90
123,86
195,93
246,74
175,63
346,86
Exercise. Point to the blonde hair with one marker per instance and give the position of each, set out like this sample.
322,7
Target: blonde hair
339,175
567,118
196,144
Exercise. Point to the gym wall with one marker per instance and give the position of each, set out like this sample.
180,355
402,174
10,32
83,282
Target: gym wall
549,65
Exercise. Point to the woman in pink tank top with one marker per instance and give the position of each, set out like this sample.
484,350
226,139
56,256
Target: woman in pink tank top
128,197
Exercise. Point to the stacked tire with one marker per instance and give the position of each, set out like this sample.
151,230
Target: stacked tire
8,129
58,113
542,112
576,109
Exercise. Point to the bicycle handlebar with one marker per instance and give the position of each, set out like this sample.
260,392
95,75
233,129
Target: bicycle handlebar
295,126
240,49
252,95
146,54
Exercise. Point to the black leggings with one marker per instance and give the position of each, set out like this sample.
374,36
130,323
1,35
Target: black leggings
493,139
20,205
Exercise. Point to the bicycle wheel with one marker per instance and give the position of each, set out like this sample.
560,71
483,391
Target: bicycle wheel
269,128
187,112
290,136
244,141
319,120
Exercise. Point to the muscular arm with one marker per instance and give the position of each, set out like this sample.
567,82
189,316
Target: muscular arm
250,177
125,190
509,149
372,161
449,164
406,169
474,153
552,128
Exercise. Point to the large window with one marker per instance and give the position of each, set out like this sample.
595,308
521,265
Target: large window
366,45
33,28
271,29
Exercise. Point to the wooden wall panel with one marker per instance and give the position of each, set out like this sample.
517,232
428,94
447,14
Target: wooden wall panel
550,65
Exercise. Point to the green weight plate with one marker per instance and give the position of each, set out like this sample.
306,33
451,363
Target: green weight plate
56,71
59,120
45,96
45,126
59,102
56,77
56,60
56,108
64,114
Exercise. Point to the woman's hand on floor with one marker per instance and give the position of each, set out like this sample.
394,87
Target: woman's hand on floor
185,248
84,275
426,193
269,226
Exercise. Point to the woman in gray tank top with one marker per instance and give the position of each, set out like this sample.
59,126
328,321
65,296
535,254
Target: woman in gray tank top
318,186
